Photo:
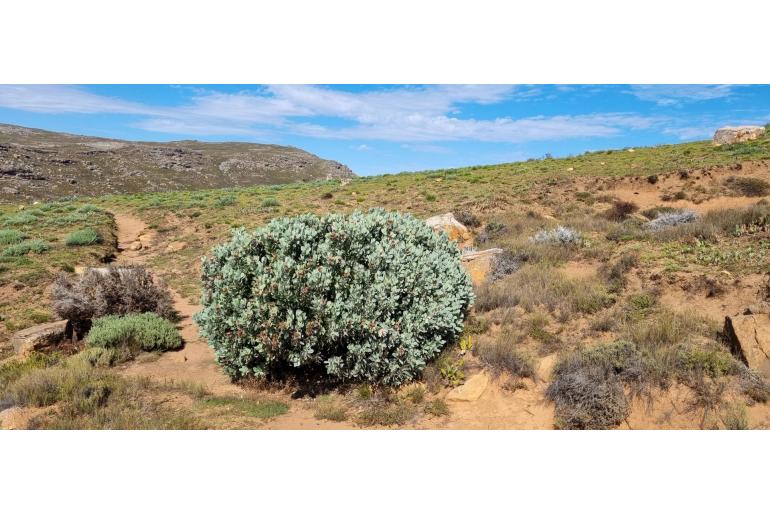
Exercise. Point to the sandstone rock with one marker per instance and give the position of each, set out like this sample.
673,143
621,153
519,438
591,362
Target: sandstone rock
454,229
18,417
479,264
11,418
137,245
730,135
176,246
471,390
38,336
749,338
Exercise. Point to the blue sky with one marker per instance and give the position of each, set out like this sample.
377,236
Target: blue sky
384,129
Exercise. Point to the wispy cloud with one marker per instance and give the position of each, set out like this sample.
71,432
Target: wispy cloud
672,94
418,114
690,133
66,99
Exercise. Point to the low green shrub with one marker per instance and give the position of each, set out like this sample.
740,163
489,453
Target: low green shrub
146,332
270,202
83,237
27,247
11,236
367,297
20,219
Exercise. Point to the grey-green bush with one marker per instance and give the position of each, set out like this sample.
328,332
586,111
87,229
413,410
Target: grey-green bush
83,237
145,331
26,247
362,297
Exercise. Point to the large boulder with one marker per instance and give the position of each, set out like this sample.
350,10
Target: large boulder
455,230
749,338
38,337
730,135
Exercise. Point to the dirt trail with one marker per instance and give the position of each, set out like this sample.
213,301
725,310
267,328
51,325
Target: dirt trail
195,362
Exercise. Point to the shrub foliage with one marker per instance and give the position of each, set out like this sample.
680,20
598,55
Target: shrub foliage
361,297
145,331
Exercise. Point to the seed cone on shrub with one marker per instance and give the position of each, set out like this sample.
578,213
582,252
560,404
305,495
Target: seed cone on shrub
362,297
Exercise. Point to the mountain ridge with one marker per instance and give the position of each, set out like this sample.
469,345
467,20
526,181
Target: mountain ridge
37,164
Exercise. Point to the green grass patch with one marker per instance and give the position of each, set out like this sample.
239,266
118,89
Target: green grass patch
248,407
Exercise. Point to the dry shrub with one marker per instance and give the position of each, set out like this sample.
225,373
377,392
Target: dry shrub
748,186
109,291
543,285
501,355
586,394
468,219
614,273
503,265
329,408
665,328
753,385
620,210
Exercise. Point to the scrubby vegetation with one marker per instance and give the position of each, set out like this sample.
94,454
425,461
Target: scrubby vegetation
558,236
592,388
146,331
543,285
748,186
33,252
607,303
82,237
366,297
109,291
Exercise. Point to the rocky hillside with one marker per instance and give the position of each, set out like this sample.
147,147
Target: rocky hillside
36,164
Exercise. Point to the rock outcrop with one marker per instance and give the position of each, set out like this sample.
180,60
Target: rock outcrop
730,135
749,339
38,336
455,230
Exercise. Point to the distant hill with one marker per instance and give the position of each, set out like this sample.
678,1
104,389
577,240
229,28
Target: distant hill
37,164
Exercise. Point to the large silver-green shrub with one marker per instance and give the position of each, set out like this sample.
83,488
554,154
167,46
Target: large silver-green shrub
361,297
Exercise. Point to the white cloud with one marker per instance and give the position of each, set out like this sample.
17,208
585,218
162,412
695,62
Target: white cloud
690,133
672,94
417,114
65,99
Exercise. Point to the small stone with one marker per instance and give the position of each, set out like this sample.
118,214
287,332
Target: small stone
137,245
471,390
176,246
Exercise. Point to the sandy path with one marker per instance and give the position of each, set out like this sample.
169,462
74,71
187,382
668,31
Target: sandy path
195,362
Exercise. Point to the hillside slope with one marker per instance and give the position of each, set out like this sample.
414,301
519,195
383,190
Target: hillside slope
36,164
